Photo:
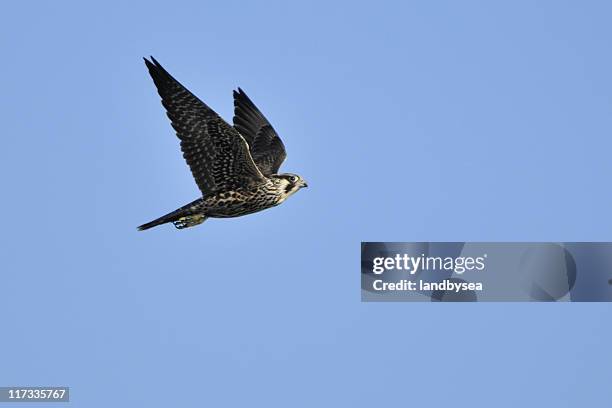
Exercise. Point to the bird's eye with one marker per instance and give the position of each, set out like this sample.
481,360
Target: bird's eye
293,179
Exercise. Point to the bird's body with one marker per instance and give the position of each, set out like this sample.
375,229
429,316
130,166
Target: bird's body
235,167
244,201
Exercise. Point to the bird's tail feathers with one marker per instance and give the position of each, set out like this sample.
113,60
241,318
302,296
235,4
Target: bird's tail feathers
184,217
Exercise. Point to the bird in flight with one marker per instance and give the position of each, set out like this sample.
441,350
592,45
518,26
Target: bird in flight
235,167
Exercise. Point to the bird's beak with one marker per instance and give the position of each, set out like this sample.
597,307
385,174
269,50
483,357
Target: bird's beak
304,184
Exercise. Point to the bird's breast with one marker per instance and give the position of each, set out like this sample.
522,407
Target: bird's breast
241,202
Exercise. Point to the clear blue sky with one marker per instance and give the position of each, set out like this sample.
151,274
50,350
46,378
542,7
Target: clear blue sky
410,121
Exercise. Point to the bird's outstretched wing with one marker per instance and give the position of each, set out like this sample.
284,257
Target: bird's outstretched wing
216,153
266,147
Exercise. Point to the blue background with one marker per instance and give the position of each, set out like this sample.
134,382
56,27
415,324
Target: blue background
411,121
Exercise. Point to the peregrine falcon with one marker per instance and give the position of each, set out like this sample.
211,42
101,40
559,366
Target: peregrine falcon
235,167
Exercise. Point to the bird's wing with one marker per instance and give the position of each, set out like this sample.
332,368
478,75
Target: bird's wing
216,153
266,146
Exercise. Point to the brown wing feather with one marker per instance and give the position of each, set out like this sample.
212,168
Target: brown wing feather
216,153
266,147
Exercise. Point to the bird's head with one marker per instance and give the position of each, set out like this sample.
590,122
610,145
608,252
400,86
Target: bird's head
290,183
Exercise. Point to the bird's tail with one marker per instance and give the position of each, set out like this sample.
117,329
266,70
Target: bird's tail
184,217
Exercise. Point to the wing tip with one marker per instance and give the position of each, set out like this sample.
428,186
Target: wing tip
241,98
152,60
239,93
157,71
151,65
